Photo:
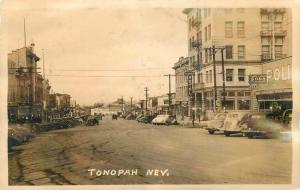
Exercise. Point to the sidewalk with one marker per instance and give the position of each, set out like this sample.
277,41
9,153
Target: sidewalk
189,124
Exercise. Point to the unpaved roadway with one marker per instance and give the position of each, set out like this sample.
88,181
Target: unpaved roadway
190,155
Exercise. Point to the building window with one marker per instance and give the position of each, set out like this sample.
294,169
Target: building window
198,76
279,17
266,52
241,52
210,76
228,52
201,78
277,26
209,32
244,104
208,12
279,40
240,93
229,74
227,11
240,10
265,41
228,29
241,74
265,26
206,55
205,13
241,29
278,52
206,77
265,17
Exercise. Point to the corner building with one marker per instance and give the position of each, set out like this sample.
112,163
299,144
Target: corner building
248,37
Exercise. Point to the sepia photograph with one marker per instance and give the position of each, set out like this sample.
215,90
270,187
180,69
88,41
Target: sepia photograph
190,95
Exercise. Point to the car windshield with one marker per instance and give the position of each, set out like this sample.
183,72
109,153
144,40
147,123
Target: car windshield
233,116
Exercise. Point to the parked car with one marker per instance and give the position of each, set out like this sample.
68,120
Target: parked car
217,123
147,118
235,122
261,126
164,120
92,121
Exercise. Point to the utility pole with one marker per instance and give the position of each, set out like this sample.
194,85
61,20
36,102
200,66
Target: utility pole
170,100
131,105
146,90
24,33
215,77
223,76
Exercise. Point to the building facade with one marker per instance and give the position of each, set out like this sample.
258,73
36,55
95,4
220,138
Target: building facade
226,46
26,88
181,100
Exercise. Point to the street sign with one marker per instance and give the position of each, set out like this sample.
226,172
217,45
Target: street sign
255,79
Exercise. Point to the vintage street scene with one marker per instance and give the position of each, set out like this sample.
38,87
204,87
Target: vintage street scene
149,96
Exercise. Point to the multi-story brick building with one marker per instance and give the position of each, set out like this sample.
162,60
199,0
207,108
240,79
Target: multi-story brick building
26,88
247,38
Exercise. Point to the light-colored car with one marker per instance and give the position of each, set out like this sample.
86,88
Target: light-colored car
164,120
235,122
217,123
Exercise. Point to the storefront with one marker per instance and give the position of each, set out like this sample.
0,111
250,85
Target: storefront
275,92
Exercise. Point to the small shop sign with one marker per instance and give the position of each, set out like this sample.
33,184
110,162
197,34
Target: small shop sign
258,79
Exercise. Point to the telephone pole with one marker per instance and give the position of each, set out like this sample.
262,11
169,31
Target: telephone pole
223,76
24,33
215,77
131,105
146,90
169,94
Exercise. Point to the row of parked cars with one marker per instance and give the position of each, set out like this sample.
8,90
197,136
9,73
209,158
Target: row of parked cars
247,124
18,134
156,119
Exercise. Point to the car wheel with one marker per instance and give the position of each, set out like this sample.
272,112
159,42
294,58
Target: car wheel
227,134
211,132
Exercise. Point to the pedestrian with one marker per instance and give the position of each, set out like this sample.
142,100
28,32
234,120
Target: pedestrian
193,118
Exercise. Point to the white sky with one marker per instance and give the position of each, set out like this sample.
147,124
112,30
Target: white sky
88,38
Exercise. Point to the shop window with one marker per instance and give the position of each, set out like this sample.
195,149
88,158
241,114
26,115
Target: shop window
231,93
241,74
247,93
229,104
244,104
229,74
240,93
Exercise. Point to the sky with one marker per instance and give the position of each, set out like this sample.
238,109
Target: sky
127,49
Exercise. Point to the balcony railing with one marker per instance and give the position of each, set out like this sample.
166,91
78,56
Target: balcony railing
265,10
197,44
280,55
280,33
279,10
198,86
266,33
266,57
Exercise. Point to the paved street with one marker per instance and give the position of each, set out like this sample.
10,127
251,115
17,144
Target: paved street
187,155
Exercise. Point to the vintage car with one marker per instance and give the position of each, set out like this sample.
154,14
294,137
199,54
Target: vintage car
235,122
217,123
261,126
92,121
147,118
164,120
